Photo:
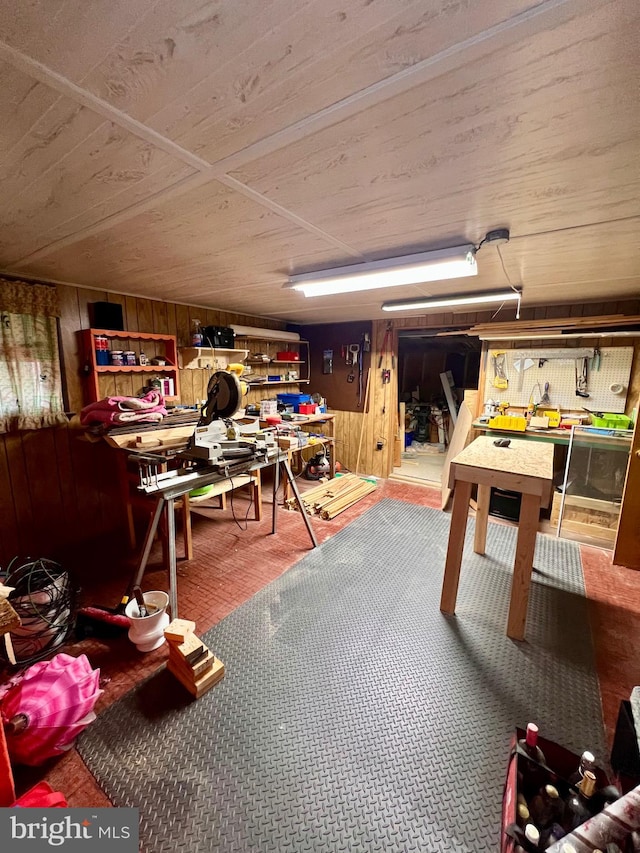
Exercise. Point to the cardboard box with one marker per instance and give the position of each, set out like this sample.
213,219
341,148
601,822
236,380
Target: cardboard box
287,442
268,407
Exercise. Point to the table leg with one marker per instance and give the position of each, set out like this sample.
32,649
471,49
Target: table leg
459,516
482,516
256,490
274,506
173,571
523,565
303,512
187,536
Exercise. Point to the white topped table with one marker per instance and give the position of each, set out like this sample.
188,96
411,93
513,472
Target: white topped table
525,467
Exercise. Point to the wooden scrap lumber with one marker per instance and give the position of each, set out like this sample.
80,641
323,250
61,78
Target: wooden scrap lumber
176,631
9,619
343,502
331,498
190,660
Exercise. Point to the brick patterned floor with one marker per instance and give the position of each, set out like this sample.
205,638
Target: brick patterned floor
231,564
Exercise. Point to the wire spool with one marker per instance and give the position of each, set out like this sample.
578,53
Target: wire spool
43,598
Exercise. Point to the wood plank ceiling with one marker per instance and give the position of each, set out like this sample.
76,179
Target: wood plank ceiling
200,152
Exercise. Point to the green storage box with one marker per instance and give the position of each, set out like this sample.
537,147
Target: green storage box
611,421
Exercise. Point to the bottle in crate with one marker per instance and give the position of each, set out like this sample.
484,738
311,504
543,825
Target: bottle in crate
587,762
546,807
532,776
578,806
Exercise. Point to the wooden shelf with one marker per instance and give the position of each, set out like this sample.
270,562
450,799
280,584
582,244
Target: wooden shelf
135,368
164,346
277,382
191,358
276,361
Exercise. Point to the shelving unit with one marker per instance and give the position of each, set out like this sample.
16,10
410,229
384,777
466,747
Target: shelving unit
163,346
275,366
211,358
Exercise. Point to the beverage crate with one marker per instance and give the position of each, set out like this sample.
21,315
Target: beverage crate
561,763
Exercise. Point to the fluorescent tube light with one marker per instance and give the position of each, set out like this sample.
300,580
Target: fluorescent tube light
452,301
409,269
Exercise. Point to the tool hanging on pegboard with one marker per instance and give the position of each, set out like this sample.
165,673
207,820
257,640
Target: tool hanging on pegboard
385,350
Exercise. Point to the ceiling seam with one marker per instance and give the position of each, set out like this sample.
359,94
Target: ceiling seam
547,13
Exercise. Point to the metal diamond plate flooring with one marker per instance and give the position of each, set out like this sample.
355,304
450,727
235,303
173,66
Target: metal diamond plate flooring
354,716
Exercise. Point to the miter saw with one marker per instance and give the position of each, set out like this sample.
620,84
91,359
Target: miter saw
216,441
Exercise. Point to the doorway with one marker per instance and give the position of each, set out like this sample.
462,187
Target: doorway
424,360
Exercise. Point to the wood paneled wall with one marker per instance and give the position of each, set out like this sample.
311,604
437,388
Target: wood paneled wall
376,426
58,491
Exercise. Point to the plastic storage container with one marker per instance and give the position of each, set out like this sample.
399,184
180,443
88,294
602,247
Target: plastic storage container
611,421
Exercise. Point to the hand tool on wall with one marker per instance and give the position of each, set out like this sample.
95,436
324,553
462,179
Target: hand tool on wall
545,399
500,378
581,367
386,347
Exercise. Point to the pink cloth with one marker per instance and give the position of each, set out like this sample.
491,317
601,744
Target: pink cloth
122,410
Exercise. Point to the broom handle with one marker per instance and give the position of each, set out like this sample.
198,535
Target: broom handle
364,416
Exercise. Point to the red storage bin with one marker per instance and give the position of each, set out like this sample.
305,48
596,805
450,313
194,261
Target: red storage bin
307,408
287,355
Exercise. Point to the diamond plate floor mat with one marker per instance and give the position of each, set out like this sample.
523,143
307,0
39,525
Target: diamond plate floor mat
354,716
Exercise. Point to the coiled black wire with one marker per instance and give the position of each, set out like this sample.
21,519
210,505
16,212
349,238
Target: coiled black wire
44,599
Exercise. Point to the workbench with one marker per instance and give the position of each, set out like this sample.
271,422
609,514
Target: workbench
169,491
523,467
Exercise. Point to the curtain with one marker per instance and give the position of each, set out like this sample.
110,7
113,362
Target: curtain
30,379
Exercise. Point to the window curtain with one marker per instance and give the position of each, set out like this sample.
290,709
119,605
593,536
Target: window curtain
30,380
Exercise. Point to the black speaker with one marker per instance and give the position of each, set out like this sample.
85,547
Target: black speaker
106,315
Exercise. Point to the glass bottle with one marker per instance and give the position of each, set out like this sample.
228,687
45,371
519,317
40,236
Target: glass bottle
587,762
577,803
532,835
546,806
534,776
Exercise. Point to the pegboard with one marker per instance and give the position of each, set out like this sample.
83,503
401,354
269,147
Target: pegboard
615,370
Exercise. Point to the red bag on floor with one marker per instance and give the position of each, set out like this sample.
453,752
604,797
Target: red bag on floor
42,796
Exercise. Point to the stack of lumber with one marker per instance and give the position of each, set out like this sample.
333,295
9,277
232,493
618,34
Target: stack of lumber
332,498
550,325
190,661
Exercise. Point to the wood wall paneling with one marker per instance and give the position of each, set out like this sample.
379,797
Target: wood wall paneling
9,538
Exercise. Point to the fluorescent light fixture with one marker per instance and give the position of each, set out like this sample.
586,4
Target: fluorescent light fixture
409,269
453,301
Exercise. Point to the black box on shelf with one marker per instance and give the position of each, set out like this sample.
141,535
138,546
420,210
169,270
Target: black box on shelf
218,336
106,315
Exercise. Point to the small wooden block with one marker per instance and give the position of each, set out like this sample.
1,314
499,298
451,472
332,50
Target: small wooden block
176,631
5,591
192,649
9,619
197,688
194,670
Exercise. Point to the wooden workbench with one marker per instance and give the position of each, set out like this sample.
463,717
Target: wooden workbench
524,467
